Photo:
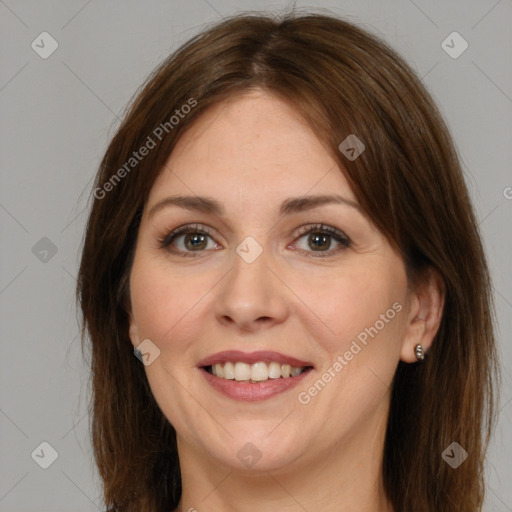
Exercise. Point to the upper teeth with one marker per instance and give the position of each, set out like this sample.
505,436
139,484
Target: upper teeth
256,372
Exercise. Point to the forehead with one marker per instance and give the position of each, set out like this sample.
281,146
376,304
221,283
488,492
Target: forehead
255,144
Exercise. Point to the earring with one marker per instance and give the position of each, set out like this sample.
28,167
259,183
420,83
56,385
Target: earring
420,352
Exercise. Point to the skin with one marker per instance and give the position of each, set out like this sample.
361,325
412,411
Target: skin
251,153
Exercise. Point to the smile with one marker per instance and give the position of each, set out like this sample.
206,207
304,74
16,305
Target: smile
253,376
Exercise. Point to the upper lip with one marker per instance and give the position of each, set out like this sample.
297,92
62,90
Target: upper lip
266,356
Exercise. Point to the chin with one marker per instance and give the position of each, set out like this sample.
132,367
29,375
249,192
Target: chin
254,453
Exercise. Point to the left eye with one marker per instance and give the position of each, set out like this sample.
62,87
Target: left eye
319,239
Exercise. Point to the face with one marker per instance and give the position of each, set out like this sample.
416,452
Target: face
271,269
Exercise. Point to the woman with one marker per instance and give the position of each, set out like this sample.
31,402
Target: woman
282,235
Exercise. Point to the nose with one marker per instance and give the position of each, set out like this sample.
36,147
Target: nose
251,297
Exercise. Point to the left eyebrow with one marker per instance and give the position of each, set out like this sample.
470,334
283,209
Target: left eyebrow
291,205
300,204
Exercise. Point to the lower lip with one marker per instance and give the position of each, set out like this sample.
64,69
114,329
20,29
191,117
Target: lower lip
251,392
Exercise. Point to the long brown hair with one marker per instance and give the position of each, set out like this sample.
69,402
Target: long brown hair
344,81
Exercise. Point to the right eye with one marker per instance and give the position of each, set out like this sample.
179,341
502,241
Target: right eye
187,239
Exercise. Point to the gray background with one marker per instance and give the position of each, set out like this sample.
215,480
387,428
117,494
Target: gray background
57,115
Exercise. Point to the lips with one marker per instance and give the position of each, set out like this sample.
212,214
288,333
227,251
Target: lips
244,387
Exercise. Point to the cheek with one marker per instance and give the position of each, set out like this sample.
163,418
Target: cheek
362,302
165,308
362,313
164,301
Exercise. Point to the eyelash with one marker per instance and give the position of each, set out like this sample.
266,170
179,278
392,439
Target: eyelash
165,241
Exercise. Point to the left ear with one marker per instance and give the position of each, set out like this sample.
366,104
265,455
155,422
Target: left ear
425,311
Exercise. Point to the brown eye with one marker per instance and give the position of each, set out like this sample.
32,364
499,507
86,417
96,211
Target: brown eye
320,239
187,239
195,241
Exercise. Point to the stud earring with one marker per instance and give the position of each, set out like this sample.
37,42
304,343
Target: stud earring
420,352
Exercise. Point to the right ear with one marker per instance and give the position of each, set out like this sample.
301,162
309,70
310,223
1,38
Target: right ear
133,332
